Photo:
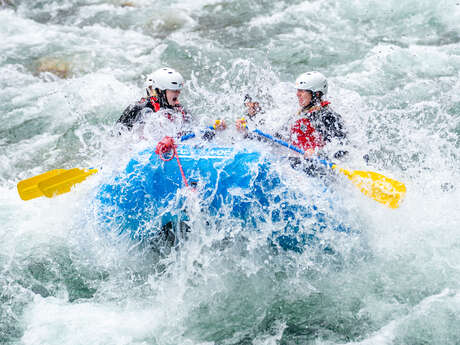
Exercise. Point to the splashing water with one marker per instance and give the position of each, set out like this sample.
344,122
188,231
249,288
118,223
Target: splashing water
69,68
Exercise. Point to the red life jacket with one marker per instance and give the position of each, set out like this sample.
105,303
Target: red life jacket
156,107
304,135
153,101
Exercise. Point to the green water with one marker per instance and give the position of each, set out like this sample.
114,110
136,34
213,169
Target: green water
393,70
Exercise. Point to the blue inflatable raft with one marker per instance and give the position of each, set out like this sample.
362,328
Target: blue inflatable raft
237,185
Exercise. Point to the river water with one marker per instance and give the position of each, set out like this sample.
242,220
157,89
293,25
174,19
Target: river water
69,68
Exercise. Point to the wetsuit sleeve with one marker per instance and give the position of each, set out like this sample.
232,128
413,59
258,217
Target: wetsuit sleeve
130,116
208,134
333,127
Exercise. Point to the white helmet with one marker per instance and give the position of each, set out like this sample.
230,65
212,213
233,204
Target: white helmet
312,81
165,79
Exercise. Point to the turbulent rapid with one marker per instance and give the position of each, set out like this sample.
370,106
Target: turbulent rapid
68,69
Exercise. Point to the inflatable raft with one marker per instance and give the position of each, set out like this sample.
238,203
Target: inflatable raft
238,185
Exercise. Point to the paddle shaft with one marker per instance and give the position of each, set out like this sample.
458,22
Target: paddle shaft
382,189
289,146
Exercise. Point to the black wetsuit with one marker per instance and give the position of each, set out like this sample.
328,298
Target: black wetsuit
135,113
329,125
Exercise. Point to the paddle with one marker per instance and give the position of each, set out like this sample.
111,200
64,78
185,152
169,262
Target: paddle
60,181
28,189
64,182
51,183
376,186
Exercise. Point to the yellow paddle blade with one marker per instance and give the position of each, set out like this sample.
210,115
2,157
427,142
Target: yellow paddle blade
64,182
376,186
28,189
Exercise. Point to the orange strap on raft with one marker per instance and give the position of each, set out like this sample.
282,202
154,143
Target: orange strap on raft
166,145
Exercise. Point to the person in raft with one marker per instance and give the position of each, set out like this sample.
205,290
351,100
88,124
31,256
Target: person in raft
163,88
313,127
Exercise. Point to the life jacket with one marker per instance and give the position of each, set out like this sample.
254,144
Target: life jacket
303,134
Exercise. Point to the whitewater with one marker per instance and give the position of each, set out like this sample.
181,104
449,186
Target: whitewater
69,68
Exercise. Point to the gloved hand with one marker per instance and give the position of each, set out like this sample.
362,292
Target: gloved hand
241,124
219,125
253,108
